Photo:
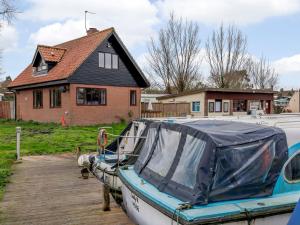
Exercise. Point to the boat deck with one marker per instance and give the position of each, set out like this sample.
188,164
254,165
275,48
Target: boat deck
48,190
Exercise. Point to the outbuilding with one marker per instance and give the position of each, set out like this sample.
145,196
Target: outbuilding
222,102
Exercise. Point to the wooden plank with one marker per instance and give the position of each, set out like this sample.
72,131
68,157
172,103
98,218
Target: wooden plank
48,190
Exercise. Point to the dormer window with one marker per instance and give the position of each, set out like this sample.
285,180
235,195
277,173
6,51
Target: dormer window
45,58
40,67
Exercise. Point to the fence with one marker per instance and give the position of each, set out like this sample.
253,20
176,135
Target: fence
165,110
6,109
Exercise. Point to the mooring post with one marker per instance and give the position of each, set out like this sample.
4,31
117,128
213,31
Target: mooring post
18,132
106,199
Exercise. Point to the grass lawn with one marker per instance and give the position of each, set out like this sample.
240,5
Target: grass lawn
41,138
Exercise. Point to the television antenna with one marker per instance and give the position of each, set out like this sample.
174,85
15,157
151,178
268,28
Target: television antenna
86,12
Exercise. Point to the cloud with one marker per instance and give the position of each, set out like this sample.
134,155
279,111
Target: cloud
241,12
288,65
58,32
288,69
134,20
8,37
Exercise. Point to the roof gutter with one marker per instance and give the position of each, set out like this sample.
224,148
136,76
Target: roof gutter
44,84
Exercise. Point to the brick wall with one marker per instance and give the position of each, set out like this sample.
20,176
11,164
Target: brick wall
25,110
118,106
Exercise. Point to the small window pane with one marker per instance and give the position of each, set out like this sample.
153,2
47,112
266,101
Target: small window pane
186,170
196,106
218,106
132,97
37,99
80,95
292,170
101,59
107,60
211,107
55,98
164,152
225,107
115,61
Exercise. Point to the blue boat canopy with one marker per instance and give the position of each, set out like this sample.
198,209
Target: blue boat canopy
210,160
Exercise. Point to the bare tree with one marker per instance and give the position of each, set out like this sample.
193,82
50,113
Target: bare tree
7,10
262,74
174,60
226,54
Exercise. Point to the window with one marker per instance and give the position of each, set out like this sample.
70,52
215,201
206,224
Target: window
186,170
218,105
101,59
40,68
195,106
211,107
108,60
239,105
91,96
164,152
55,98
292,169
115,61
225,107
37,99
132,97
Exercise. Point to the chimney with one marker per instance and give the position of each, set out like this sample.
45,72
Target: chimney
92,30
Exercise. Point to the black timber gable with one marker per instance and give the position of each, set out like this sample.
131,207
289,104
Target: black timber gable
127,74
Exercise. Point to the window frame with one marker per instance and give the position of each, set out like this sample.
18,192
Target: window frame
219,101
112,61
83,104
225,103
135,94
112,55
238,102
199,106
285,166
101,53
51,99
211,103
34,99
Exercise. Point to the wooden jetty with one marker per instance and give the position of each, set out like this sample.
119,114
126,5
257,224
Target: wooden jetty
46,190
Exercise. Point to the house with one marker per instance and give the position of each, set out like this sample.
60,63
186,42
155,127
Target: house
4,92
294,103
220,101
89,80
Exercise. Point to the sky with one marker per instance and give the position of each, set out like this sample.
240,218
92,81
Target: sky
272,27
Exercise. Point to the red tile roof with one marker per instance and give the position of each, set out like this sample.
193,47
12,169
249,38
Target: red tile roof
68,55
51,54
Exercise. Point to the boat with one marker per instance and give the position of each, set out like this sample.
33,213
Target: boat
215,172
123,150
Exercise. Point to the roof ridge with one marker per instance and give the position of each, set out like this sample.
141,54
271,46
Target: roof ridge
85,36
49,46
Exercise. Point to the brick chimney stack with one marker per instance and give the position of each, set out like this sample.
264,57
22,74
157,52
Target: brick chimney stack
92,30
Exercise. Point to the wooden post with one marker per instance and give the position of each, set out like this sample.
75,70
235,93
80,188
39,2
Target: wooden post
106,199
78,152
18,132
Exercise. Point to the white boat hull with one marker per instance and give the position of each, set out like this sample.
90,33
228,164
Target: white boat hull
142,213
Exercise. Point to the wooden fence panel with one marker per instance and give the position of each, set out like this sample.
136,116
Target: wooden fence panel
5,110
165,110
